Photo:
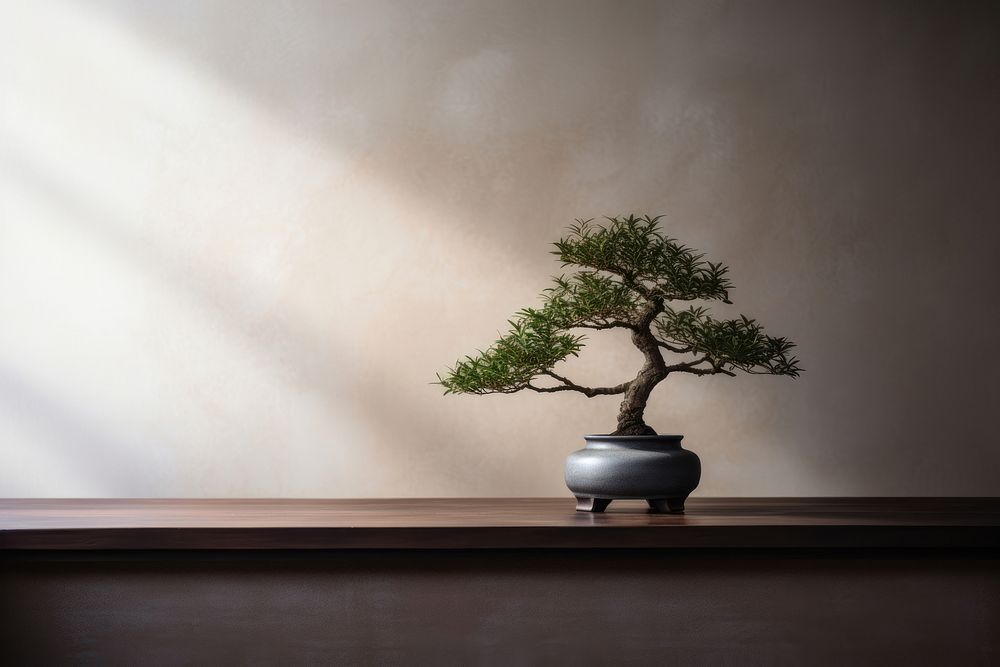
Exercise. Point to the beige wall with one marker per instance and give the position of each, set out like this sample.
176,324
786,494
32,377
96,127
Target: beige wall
237,239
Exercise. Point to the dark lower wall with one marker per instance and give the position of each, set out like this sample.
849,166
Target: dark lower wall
508,608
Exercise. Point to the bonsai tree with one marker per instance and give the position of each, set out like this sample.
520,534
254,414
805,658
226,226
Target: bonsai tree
629,275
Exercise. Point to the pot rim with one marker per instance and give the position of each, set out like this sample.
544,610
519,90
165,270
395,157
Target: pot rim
634,437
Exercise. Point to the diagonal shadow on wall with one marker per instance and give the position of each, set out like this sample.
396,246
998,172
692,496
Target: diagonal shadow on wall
319,365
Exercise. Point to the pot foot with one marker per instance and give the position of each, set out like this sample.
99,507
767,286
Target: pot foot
667,505
591,504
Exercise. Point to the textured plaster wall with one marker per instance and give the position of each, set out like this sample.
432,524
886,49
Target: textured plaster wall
238,239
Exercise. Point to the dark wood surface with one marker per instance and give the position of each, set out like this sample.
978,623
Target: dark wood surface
70,524
515,581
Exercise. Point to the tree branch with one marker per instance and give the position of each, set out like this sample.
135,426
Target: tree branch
707,371
690,367
611,324
648,313
688,364
542,390
629,280
678,350
569,385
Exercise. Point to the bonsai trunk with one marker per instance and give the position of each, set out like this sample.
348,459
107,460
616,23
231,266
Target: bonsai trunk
630,421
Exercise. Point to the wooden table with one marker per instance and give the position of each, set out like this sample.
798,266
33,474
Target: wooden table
512,581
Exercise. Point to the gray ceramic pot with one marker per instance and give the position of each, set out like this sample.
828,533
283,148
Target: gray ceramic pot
654,468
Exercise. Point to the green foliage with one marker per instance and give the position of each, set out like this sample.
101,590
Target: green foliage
533,345
588,299
634,249
727,344
629,270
